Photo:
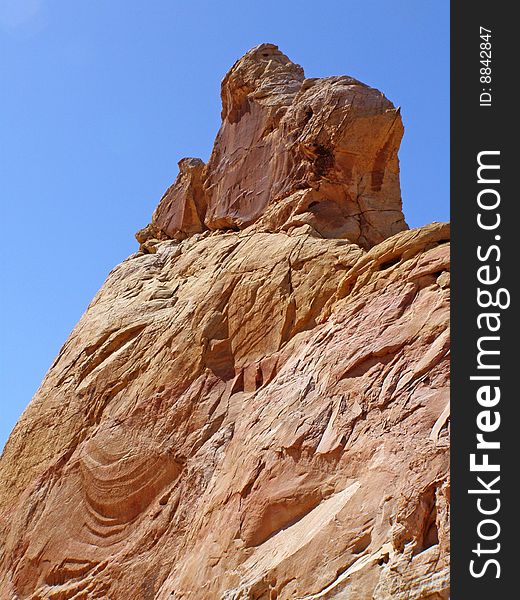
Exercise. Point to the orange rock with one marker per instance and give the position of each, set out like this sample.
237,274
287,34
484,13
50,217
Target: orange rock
256,405
182,209
293,151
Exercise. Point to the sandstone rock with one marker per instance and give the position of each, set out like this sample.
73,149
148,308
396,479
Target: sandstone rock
183,207
255,405
294,151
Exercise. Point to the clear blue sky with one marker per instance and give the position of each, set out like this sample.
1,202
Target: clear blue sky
99,99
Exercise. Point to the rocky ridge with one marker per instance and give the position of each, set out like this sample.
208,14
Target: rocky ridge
255,404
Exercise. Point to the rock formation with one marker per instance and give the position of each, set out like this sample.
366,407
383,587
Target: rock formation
255,404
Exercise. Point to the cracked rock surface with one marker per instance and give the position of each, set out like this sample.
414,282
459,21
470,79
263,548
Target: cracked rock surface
256,404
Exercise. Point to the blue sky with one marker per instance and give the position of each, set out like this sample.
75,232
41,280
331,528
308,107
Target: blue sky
99,99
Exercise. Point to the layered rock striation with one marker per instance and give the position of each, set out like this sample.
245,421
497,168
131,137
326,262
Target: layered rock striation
255,404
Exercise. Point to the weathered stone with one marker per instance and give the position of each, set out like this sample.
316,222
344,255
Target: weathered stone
293,151
256,413
182,209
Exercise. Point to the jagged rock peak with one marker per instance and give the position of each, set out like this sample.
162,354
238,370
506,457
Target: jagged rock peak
290,152
265,75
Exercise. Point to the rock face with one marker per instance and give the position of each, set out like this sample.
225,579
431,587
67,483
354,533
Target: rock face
293,151
255,404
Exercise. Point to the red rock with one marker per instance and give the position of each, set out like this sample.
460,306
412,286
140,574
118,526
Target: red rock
260,413
294,151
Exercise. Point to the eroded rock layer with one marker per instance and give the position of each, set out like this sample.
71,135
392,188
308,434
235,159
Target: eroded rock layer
255,404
